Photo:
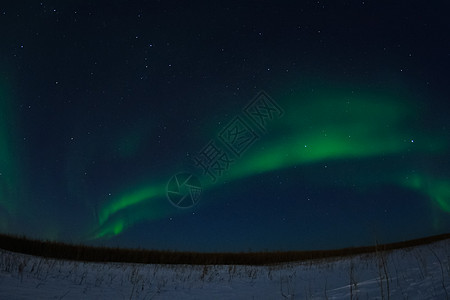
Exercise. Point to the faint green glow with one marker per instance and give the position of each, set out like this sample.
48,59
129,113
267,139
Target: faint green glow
436,189
129,143
9,169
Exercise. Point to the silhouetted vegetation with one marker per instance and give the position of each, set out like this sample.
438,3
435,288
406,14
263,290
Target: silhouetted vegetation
58,250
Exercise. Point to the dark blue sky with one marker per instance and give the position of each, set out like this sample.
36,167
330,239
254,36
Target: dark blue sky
224,126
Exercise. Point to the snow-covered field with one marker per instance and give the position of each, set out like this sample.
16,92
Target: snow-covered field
421,272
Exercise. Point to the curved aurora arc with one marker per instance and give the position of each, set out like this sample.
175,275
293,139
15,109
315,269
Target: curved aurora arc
323,126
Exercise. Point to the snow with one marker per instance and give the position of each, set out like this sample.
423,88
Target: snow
421,272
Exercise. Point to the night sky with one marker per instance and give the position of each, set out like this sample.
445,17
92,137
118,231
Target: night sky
224,126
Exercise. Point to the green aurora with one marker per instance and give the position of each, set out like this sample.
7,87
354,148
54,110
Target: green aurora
318,127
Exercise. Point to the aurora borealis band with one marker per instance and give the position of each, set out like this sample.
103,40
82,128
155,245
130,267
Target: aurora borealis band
102,104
